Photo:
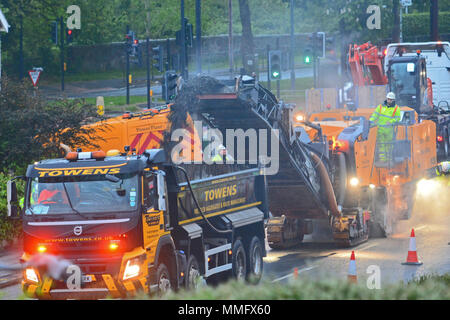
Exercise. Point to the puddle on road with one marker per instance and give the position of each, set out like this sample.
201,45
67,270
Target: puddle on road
369,255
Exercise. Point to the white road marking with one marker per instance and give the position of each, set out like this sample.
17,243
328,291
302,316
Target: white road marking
367,247
421,227
291,274
346,254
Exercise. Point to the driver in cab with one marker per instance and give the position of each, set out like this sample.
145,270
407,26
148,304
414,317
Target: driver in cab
52,194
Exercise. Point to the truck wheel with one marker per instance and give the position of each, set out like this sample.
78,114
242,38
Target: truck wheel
192,273
239,261
163,278
255,260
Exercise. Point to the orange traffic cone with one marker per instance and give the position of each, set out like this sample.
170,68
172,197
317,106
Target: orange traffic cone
352,269
412,259
295,273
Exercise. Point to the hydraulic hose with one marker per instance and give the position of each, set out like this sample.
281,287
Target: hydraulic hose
342,186
328,186
196,202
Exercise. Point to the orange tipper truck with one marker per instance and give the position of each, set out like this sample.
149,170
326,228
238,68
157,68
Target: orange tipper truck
134,222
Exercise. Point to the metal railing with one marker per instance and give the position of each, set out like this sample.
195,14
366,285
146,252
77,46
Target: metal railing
392,148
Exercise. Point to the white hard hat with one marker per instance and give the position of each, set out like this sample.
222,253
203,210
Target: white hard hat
444,167
391,96
221,147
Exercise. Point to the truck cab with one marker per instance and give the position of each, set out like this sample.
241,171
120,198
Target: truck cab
437,57
128,224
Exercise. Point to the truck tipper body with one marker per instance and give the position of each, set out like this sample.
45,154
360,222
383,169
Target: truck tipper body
136,223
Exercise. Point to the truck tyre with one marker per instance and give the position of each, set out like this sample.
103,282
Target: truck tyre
239,261
163,278
192,273
255,260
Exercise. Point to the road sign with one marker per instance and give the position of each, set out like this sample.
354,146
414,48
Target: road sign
100,102
406,3
34,75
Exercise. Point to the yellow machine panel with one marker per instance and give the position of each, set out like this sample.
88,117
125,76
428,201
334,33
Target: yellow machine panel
144,130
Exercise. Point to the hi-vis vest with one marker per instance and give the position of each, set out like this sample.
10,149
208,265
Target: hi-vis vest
384,115
444,176
219,158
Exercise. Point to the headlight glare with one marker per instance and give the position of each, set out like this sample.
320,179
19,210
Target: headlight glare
426,187
31,275
354,182
132,269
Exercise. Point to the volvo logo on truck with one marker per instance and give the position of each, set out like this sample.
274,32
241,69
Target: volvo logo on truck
78,230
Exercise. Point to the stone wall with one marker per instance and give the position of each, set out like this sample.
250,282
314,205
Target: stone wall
111,57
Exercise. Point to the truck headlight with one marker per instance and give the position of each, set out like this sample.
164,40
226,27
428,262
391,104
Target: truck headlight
31,275
132,268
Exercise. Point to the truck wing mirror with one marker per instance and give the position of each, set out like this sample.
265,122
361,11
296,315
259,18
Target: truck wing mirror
13,210
160,203
11,191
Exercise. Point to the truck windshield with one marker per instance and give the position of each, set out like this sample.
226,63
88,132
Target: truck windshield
83,194
403,79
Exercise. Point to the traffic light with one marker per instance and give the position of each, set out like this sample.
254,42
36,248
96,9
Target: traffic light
318,44
321,44
69,35
170,85
128,42
134,47
189,33
129,38
54,31
132,43
307,55
275,64
157,54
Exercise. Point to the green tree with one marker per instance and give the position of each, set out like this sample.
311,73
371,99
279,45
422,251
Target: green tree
32,128
32,18
247,45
